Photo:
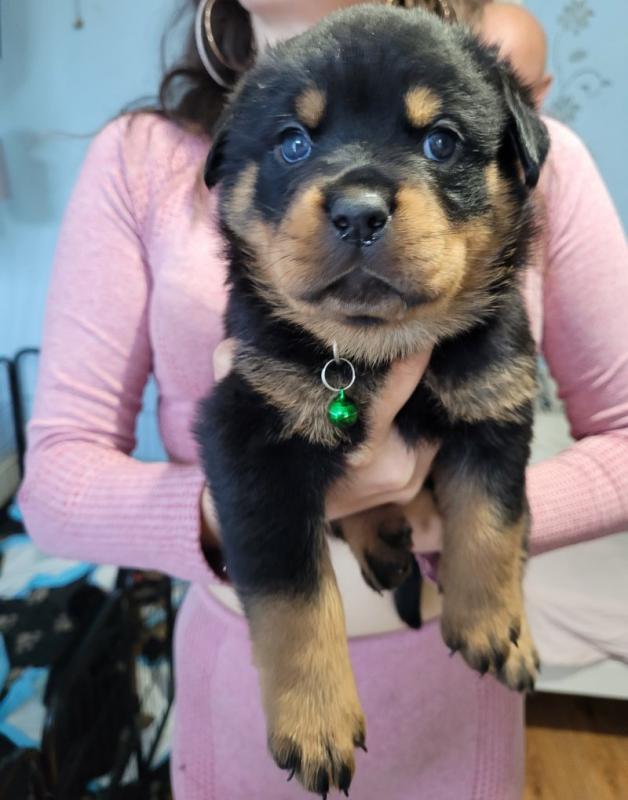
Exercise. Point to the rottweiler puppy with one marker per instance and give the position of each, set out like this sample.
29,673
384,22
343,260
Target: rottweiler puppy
375,197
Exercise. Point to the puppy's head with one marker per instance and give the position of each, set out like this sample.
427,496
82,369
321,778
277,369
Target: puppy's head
375,177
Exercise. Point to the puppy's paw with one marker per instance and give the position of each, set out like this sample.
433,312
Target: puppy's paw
492,637
520,670
381,540
315,740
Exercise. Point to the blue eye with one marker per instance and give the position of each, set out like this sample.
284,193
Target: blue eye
295,145
440,144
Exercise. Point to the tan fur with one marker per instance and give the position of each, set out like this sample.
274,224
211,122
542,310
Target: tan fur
422,106
481,574
427,253
238,205
429,249
308,689
310,107
499,392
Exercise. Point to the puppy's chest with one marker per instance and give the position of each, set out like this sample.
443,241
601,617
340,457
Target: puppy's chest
496,392
301,398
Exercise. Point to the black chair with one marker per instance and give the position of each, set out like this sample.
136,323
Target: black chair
25,364
10,452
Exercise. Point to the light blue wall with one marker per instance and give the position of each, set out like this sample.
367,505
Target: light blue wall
57,84
588,42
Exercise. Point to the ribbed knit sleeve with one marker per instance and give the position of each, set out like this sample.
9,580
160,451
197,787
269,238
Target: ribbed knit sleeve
83,495
582,493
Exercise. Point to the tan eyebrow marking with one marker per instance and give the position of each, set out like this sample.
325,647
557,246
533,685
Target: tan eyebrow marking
422,105
310,106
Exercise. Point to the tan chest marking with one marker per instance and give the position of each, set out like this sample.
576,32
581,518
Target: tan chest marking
496,393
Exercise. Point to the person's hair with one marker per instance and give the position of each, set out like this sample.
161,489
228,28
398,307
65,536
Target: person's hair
188,95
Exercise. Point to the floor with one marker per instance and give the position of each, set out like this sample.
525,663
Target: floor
577,748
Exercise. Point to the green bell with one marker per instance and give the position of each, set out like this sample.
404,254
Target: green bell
342,412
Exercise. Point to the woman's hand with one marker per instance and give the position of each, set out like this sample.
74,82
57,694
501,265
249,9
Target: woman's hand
210,534
384,469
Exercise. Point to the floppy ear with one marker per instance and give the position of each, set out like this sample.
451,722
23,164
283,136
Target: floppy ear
526,130
216,158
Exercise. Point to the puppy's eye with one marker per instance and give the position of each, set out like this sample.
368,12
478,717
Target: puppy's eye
295,145
440,144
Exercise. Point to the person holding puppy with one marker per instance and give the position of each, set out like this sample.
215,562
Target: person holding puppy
138,288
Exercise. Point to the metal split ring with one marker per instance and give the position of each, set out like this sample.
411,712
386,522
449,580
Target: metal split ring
337,360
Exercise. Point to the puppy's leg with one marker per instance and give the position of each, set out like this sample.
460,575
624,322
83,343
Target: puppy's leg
313,711
480,485
269,495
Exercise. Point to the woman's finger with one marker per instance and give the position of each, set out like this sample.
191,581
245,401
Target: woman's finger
426,523
223,358
399,385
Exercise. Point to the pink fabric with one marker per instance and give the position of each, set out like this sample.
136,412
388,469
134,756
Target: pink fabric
138,286
435,730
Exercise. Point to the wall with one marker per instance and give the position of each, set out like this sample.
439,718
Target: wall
588,42
58,84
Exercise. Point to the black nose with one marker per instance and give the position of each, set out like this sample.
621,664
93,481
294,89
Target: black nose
360,217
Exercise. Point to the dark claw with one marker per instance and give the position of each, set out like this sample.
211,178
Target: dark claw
344,780
483,668
454,645
370,583
499,659
453,652
322,783
291,776
360,742
514,634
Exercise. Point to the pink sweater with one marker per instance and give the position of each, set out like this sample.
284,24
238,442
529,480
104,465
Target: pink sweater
138,288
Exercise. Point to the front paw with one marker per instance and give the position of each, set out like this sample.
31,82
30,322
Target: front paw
492,637
315,739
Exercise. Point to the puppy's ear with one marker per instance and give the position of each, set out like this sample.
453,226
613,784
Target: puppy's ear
526,130
215,160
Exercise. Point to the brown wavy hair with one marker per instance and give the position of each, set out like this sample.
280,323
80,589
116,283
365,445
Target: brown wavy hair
189,97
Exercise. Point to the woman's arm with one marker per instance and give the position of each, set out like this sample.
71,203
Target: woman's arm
84,496
582,493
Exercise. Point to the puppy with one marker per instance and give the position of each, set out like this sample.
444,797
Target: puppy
376,177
